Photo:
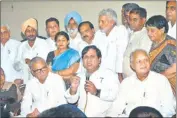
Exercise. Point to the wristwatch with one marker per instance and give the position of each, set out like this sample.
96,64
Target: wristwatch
98,91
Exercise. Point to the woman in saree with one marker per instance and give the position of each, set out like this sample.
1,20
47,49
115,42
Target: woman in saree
64,60
163,50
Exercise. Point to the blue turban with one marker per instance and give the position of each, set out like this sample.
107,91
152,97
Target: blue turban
76,16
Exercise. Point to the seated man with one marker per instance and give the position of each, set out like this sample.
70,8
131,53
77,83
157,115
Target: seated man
98,87
144,111
9,95
44,91
145,88
66,110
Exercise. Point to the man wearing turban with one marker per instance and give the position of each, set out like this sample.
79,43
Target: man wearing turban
30,48
71,22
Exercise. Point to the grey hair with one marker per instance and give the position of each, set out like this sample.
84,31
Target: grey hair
135,51
6,25
35,60
110,13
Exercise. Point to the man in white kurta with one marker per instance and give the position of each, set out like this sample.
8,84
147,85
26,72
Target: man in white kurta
139,38
116,38
42,95
52,27
96,93
171,17
8,52
26,51
145,88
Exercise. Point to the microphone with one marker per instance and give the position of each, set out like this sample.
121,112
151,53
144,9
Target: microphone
87,76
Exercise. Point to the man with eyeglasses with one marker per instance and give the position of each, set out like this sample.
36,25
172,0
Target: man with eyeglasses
44,91
30,48
171,17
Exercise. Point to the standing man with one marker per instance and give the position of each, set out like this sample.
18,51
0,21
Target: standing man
96,89
139,38
126,8
44,91
8,52
72,21
171,17
52,27
33,47
115,39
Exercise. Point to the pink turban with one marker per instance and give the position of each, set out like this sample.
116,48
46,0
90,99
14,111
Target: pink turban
30,22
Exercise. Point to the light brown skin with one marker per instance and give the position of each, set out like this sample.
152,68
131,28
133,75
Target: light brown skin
91,63
140,64
62,45
5,36
52,28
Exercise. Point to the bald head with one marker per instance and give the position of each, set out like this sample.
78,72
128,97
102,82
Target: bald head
39,68
139,61
137,52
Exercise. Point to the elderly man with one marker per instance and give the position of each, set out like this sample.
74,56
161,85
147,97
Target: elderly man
8,52
171,17
44,91
33,47
71,22
96,89
115,39
52,27
139,38
145,88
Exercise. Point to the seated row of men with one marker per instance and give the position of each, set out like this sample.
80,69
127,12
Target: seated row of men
98,91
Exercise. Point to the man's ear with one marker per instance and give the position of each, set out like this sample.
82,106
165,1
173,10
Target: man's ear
132,66
99,60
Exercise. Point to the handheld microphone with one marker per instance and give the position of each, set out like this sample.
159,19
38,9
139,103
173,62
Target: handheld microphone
87,76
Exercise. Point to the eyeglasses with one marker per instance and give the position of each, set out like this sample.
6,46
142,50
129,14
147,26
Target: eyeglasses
43,69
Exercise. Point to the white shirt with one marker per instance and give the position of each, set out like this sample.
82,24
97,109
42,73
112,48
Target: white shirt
103,79
43,96
8,53
40,48
138,40
98,42
172,30
51,43
155,91
73,43
115,45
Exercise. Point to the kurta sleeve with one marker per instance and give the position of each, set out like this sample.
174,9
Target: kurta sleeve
26,106
167,99
71,98
121,45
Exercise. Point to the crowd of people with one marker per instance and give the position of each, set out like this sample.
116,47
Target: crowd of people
126,70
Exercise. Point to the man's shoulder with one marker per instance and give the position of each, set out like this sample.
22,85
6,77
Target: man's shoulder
14,42
54,77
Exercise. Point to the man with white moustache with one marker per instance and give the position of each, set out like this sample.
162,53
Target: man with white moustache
71,22
115,40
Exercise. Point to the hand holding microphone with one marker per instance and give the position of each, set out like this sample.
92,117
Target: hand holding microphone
89,86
